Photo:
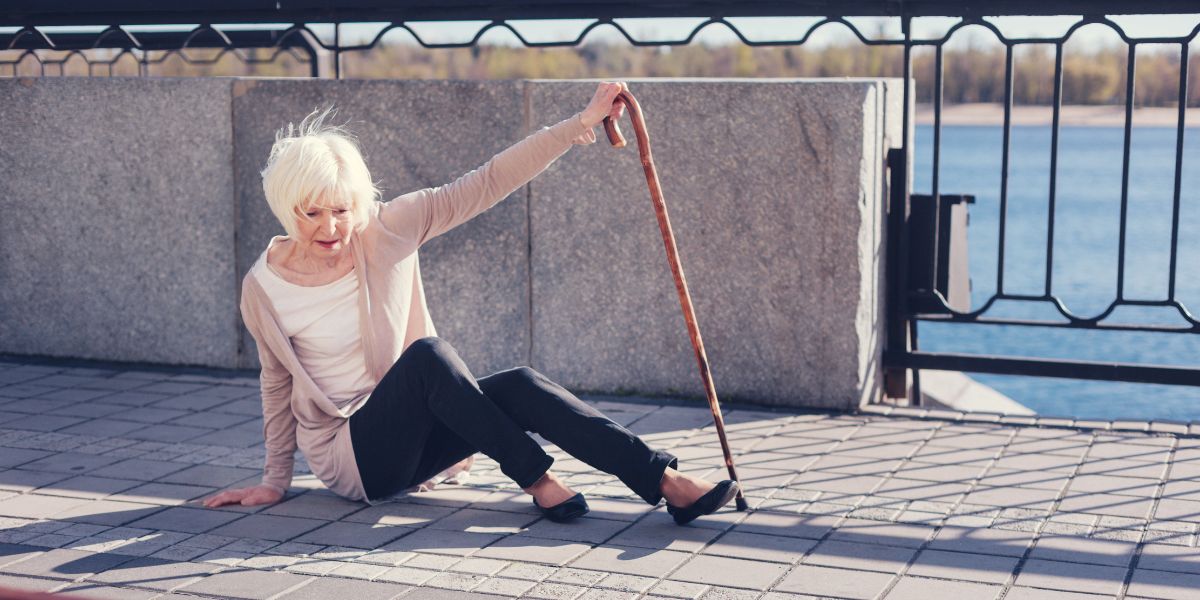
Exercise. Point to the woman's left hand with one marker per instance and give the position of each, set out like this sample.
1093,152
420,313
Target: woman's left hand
603,104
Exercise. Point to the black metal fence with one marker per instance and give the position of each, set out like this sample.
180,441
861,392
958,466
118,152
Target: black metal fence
918,253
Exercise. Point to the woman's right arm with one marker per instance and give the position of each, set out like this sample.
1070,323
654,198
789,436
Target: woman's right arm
279,430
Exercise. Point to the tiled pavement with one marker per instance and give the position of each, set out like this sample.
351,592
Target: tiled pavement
100,470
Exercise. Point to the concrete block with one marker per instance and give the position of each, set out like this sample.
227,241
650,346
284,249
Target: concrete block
774,193
413,134
119,244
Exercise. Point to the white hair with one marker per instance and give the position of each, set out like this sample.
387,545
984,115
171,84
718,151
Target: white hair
315,161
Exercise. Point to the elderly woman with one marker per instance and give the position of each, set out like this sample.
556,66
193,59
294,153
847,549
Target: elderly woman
352,373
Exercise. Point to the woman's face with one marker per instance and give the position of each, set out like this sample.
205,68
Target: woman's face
326,232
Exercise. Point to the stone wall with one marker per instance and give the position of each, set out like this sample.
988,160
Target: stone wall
136,207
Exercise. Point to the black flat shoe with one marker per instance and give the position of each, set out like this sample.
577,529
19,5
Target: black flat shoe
575,506
707,504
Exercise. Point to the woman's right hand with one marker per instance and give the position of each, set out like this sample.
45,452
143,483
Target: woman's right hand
249,496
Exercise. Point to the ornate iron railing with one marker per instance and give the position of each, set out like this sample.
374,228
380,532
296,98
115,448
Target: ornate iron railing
909,302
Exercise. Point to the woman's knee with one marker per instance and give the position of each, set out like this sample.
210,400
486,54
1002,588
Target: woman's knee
428,348
522,377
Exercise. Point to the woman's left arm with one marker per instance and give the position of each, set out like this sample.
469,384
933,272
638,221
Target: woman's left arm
428,213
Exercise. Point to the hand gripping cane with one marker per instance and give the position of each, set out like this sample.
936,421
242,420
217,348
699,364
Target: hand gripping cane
685,299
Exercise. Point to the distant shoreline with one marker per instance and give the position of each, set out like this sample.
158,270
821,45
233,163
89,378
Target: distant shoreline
1074,115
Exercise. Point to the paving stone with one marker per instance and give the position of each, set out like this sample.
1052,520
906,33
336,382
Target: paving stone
180,553
85,487
773,523
209,475
980,568
724,593
166,433
137,398
399,513
406,575
770,548
94,591
1071,577
28,584
20,480
433,562
1173,509
867,557
913,489
455,581
249,584
1164,584
1107,504
479,566
821,581
1084,550
73,394
485,521
624,559
733,572
358,535
154,573
504,587
581,577
453,496
913,588
188,520
294,549
1164,557
1123,468
267,527
1045,480
107,512
939,473
163,493
315,506
36,506
555,591
1014,497
34,406
325,588
209,420
459,543
385,555
70,462
66,564
139,469
893,534
836,483
585,529
677,589
356,570
174,388
103,427
12,457
1024,593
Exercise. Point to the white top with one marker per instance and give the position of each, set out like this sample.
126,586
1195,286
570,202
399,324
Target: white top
322,323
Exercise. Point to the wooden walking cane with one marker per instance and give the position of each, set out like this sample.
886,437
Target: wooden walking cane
685,299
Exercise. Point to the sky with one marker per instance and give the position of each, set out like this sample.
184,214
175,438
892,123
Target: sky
756,29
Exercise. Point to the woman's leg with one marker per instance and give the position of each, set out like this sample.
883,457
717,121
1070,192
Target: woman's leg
537,404
430,385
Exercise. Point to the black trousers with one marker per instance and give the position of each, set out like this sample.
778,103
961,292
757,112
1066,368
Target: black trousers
428,412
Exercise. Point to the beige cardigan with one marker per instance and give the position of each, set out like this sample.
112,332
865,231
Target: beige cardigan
391,304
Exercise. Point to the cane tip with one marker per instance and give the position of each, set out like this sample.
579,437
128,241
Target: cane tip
741,504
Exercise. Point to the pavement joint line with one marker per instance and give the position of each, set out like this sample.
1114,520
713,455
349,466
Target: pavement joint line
1037,532
1159,490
